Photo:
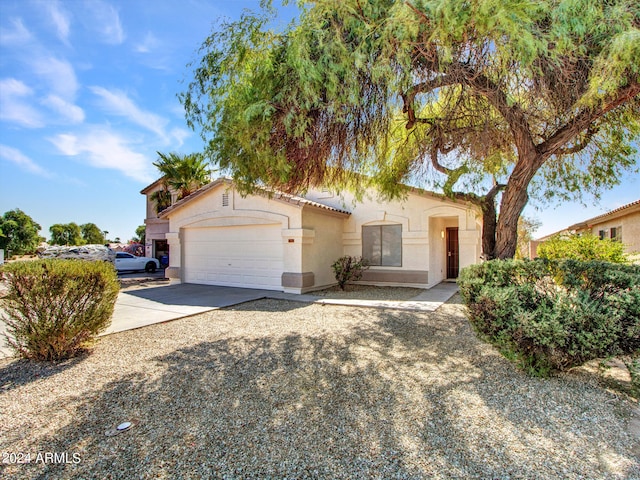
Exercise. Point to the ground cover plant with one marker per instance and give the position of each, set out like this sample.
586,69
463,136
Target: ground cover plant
55,308
550,316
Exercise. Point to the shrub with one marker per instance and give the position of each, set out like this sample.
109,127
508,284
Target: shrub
550,316
347,269
55,308
583,247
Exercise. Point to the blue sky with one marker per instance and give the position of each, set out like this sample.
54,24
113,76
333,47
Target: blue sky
88,96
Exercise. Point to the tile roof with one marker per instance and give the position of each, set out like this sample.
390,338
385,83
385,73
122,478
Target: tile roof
603,216
275,194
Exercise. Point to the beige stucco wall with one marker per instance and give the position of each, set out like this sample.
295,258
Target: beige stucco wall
312,238
630,224
423,218
324,247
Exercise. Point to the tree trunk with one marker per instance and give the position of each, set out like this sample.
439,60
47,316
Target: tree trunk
514,199
489,222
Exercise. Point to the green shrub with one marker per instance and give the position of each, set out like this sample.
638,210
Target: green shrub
583,247
553,315
55,308
348,269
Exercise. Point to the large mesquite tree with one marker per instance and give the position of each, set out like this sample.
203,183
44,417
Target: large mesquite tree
481,98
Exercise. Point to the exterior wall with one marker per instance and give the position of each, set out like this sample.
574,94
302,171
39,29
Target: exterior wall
156,228
212,210
324,247
312,238
423,219
630,224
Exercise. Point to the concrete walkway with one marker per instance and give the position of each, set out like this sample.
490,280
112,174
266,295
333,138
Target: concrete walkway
138,307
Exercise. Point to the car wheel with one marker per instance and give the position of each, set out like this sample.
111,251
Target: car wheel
150,267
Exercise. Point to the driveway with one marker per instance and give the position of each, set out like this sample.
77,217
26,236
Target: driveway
139,306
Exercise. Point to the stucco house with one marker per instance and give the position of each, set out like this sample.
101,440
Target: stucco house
276,241
621,224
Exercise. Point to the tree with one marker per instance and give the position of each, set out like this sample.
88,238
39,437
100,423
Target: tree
92,234
482,99
526,228
183,174
18,233
141,233
66,234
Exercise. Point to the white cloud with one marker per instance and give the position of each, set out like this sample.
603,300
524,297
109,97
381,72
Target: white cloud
103,148
70,112
106,20
59,74
150,42
15,156
60,19
17,35
14,107
118,103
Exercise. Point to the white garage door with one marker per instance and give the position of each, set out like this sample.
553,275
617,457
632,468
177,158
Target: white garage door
239,256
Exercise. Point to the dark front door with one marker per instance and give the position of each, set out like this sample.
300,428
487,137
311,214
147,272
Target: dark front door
452,252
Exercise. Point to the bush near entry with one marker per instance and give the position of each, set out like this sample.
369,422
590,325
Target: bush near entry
549,316
54,309
348,269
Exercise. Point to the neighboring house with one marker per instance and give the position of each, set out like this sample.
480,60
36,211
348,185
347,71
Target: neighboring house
621,224
156,245
285,242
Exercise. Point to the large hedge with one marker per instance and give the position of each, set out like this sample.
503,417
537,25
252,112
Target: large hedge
549,316
55,308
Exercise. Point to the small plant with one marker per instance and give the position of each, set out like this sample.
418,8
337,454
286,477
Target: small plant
54,309
348,269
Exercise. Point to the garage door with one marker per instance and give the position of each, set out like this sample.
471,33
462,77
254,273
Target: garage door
239,256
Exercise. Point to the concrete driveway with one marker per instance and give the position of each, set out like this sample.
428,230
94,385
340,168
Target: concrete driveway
137,307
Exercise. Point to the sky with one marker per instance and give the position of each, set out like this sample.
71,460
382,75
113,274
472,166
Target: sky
88,95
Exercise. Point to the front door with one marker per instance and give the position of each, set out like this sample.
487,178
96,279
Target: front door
452,252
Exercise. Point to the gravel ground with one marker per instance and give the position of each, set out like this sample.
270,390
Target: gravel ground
276,389
369,292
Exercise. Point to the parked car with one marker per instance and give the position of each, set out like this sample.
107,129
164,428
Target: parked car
125,261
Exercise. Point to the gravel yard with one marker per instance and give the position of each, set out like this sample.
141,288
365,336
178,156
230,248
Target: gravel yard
274,389
369,292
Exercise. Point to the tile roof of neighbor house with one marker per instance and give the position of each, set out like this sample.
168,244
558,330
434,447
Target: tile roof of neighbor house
148,188
599,218
276,195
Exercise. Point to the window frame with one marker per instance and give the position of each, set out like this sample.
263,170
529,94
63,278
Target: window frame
381,255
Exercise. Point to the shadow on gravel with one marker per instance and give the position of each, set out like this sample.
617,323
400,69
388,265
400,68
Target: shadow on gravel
21,372
401,395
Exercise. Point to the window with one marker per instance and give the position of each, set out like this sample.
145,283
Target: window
602,234
225,199
616,234
382,245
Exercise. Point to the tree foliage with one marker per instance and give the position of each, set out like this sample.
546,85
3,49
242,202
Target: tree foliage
141,234
183,174
18,233
66,234
583,247
480,99
92,234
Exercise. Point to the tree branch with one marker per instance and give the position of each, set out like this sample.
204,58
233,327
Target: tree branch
554,144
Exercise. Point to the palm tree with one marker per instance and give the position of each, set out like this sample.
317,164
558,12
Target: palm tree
183,174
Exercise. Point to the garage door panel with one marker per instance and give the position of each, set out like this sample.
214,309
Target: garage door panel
242,256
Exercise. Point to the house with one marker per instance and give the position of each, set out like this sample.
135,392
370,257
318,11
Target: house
276,241
621,224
